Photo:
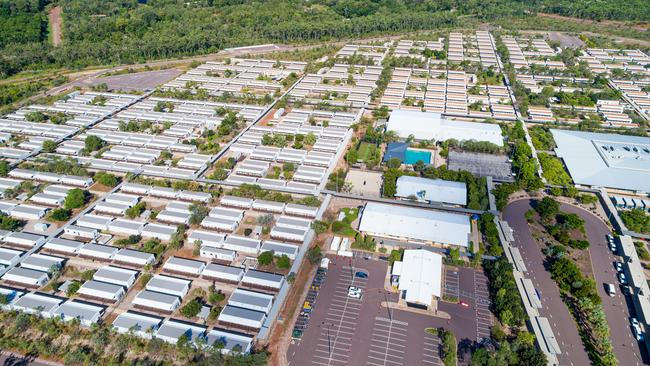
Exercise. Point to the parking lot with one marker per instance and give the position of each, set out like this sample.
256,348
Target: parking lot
346,331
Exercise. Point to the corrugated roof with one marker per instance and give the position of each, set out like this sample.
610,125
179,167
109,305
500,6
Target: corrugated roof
436,190
415,223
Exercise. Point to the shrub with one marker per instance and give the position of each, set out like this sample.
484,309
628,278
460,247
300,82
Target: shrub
265,259
283,261
191,309
60,214
74,199
314,255
106,179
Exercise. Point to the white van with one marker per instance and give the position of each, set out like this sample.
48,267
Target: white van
611,290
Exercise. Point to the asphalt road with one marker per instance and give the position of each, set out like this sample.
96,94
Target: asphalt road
617,308
573,352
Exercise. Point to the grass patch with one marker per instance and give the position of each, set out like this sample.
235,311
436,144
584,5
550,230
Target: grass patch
365,150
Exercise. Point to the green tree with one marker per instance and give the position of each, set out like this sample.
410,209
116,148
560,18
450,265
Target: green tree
106,179
314,255
191,309
283,261
93,143
547,208
265,258
74,199
4,168
319,226
60,214
49,146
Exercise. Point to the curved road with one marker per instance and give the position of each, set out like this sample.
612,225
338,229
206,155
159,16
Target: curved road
616,308
573,352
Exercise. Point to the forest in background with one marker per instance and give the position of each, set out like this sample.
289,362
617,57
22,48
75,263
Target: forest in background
130,31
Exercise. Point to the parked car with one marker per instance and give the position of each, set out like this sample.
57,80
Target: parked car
621,277
638,334
612,247
618,266
361,274
611,289
354,292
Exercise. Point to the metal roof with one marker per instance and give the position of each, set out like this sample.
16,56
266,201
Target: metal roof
238,312
415,223
429,125
437,190
605,159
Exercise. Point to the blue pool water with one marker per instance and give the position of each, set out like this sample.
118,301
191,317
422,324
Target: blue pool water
412,156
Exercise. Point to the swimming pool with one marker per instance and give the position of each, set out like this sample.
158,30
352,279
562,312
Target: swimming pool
413,156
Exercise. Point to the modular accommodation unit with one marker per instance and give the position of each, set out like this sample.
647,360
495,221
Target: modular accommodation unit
169,285
48,199
178,206
192,196
21,239
279,248
238,202
9,257
123,198
223,273
228,225
162,232
77,181
285,233
37,303
116,275
174,217
293,223
140,189
81,232
41,262
156,301
47,177
63,246
28,212
98,251
251,300
222,255
87,314
241,318
206,238
124,226
22,174
141,325
262,280
94,222
135,258
102,291
184,266
163,192
227,214
300,210
268,206
172,330
111,208
229,342
242,244
25,277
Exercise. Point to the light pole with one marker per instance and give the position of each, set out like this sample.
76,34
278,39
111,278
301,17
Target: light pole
329,341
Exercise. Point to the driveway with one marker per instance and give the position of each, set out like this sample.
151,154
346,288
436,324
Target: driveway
617,308
573,352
